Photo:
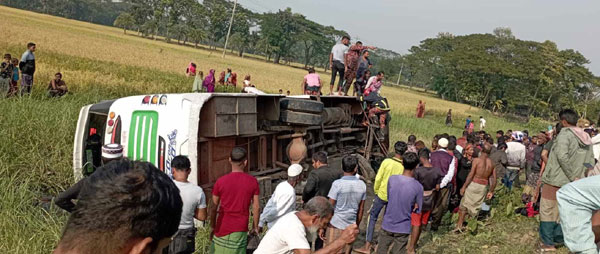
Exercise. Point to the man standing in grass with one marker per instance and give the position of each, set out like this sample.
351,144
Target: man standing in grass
389,167
194,206
347,195
430,178
446,163
474,191
27,66
482,122
570,151
232,195
405,198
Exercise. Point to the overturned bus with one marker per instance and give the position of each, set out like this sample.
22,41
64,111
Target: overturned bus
275,130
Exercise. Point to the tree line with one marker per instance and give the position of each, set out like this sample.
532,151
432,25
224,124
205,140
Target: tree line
495,71
501,73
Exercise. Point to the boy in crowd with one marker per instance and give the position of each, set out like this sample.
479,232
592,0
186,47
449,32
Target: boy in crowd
6,75
474,190
389,167
430,177
232,195
14,85
194,206
348,196
405,197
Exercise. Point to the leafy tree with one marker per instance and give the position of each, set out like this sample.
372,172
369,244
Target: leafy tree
125,21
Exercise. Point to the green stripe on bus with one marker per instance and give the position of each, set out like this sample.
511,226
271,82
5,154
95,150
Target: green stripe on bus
144,130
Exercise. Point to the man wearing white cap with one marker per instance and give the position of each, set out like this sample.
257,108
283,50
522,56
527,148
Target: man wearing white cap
446,163
64,200
283,200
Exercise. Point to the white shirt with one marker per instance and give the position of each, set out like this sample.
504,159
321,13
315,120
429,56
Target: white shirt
481,122
459,149
192,197
339,52
448,177
596,146
515,153
282,202
287,235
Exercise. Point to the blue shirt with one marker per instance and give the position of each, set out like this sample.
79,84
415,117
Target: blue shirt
403,193
348,192
16,74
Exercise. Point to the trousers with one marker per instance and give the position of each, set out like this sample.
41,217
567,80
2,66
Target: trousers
337,68
376,208
577,201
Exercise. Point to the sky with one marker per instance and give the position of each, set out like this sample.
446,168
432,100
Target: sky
398,24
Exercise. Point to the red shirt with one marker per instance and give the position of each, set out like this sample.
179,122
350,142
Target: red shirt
235,191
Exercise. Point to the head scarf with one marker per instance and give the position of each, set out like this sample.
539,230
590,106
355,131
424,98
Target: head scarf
234,79
222,78
209,81
191,68
469,146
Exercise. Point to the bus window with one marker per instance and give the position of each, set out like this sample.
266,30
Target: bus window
92,157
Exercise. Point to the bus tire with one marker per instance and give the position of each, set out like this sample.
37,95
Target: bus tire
299,118
299,105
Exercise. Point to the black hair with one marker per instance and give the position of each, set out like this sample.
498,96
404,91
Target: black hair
364,52
345,37
311,70
487,149
410,161
490,140
31,44
349,163
509,131
123,200
400,147
569,115
559,127
359,42
465,133
445,135
381,73
7,56
452,143
526,132
238,154
193,64
412,139
320,156
501,132
181,163
502,146
424,153
58,74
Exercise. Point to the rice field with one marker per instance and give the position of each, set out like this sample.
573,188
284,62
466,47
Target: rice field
100,63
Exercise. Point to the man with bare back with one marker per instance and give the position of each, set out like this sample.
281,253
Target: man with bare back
474,189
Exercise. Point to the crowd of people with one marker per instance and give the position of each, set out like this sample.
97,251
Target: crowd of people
208,84
417,186
16,76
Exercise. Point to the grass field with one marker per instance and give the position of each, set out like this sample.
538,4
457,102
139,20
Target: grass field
101,63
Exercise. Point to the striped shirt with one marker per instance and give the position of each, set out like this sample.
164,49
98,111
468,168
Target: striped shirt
348,192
